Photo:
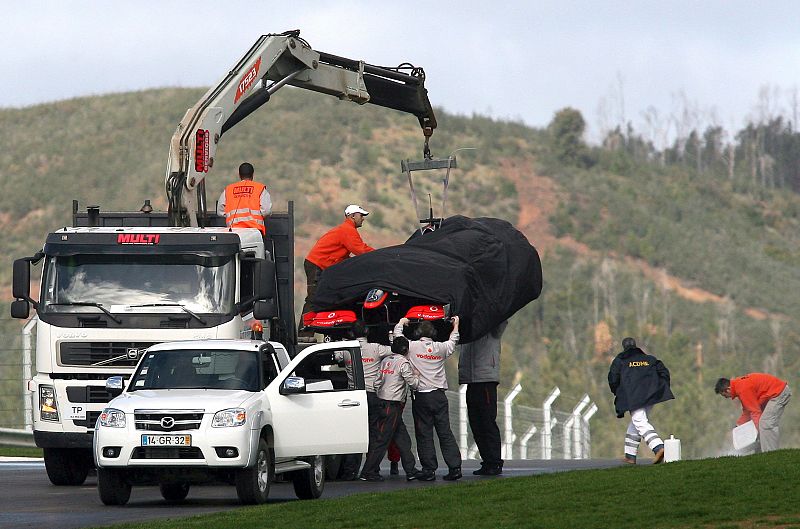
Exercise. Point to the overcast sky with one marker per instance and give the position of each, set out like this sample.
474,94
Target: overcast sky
517,59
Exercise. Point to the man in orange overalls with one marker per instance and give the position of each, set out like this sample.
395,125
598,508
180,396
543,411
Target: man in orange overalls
334,247
763,398
246,203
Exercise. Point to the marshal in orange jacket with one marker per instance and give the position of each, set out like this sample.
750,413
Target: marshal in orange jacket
754,391
337,245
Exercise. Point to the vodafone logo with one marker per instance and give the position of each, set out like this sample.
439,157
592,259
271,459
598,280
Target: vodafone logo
247,81
433,308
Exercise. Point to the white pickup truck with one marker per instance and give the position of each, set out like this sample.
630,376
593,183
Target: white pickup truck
230,411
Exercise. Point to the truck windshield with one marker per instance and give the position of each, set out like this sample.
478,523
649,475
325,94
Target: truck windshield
200,284
206,369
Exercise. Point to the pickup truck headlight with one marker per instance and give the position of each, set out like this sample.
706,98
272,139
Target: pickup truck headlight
112,418
229,417
48,407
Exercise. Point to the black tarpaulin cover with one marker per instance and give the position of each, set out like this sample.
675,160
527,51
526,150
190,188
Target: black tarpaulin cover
483,267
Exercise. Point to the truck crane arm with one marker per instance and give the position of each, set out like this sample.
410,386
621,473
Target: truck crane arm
274,61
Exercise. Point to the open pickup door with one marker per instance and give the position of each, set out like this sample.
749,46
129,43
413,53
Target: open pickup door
319,404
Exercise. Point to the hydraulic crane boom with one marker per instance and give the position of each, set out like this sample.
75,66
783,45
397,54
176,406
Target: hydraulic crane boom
274,61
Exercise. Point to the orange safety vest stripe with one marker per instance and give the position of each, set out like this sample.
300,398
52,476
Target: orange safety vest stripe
243,205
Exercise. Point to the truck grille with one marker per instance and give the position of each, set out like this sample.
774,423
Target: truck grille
101,354
180,421
167,452
89,421
88,394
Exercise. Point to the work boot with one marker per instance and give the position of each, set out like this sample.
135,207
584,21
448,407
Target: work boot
425,475
413,475
454,474
394,468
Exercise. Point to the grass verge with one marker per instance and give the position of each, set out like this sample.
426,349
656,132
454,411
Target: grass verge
741,493
19,451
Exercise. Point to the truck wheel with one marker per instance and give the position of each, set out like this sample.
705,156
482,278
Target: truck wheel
309,484
174,491
252,483
112,486
66,466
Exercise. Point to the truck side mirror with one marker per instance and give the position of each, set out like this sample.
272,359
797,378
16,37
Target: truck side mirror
264,310
264,280
293,386
21,280
20,309
114,386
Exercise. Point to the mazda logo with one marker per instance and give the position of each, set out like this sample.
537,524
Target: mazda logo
167,422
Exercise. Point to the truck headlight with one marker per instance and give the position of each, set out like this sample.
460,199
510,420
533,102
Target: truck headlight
48,407
112,418
229,417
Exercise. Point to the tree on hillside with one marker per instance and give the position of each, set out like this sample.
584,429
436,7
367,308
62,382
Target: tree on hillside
566,137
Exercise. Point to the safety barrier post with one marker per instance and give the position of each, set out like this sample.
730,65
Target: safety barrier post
548,423
462,420
577,425
509,434
587,439
523,443
27,396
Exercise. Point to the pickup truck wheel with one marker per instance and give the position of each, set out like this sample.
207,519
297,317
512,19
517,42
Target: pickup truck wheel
174,491
309,484
112,486
252,483
66,466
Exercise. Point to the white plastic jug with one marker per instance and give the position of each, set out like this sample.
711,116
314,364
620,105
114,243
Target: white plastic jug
744,435
672,449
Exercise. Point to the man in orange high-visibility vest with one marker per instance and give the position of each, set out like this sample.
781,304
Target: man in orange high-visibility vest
246,203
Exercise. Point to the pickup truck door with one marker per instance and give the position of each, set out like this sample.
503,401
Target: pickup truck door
330,416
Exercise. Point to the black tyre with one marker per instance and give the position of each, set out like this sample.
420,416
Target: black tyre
309,484
67,466
333,465
252,483
114,489
174,492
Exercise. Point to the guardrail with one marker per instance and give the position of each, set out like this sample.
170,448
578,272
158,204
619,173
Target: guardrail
13,437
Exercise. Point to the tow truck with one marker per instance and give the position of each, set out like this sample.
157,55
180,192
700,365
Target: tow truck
115,283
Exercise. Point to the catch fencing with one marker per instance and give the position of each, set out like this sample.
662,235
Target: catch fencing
526,432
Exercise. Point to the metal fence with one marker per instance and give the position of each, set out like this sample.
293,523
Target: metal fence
527,433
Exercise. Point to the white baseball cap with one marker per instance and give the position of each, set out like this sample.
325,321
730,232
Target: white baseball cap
354,208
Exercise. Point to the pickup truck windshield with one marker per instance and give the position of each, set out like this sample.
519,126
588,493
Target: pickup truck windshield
202,285
206,369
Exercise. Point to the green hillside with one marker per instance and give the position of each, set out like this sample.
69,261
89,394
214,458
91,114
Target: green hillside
698,266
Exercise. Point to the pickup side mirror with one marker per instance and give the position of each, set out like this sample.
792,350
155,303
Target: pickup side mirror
264,280
21,280
264,310
293,385
20,309
114,386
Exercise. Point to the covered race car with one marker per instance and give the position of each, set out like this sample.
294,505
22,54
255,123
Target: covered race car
484,269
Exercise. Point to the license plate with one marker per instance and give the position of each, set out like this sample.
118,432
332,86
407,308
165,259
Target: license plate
166,440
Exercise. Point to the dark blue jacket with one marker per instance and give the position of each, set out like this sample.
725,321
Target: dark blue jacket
638,380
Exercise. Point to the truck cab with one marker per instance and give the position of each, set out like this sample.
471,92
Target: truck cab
230,411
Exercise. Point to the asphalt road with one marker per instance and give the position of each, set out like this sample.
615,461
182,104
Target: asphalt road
28,500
